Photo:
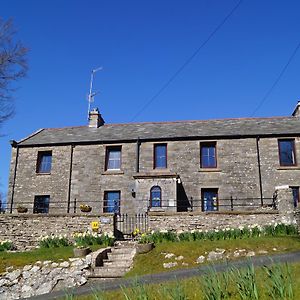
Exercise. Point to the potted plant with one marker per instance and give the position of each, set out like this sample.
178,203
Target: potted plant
22,209
85,208
81,251
145,243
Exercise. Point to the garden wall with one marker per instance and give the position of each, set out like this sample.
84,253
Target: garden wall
24,230
210,221
284,213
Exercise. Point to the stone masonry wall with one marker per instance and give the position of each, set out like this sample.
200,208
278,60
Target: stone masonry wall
210,221
236,174
24,230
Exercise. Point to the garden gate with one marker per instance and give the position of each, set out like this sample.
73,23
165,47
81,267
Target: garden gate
125,224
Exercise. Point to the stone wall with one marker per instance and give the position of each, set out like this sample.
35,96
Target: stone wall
236,174
210,221
24,230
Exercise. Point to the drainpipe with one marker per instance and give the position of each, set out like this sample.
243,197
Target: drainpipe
137,166
70,178
14,144
259,171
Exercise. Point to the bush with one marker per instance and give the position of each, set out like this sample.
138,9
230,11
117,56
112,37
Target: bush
6,245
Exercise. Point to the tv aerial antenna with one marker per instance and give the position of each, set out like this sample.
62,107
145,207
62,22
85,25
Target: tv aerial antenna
92,94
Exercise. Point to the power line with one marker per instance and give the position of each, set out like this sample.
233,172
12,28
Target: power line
263,100
182,67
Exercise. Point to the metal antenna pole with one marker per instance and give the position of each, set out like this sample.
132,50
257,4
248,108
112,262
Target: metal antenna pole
91,95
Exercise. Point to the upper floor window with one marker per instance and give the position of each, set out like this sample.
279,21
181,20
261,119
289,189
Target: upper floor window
160,156
44,162
41,204
113,158
208,158
287,155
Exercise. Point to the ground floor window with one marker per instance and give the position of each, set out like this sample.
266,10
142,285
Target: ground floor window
155,196
111,202
295,190
41,204
209,199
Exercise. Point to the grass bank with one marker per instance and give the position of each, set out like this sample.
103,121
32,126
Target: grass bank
152,262
232,285
20,259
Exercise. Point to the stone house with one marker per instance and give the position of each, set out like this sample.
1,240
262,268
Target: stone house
165,166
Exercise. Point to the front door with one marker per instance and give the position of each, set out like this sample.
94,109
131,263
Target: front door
112,202
209,199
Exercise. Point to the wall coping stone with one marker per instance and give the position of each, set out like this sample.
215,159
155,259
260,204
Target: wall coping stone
174,214
26,215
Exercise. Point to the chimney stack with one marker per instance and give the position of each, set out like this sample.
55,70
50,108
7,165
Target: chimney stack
296,112
95,118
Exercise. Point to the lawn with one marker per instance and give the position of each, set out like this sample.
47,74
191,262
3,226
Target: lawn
152,262
20,259
193,288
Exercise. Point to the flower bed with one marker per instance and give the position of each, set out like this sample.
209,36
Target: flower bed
87,239
277,229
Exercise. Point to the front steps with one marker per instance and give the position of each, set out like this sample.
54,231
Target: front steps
114,262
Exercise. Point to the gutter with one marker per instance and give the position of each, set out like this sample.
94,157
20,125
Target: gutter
14,144
159,139
259,171
70,178
137,166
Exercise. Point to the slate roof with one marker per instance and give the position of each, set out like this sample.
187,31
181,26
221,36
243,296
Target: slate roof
166,131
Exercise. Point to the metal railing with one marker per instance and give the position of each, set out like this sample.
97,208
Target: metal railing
135,205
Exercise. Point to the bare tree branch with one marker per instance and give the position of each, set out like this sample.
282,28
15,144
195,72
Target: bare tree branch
13,66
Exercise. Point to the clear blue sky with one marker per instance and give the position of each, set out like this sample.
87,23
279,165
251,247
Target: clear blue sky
140,45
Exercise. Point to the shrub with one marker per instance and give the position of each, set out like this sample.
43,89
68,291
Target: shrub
6,245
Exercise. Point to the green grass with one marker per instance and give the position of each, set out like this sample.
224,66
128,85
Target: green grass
20,259
193,288
152,262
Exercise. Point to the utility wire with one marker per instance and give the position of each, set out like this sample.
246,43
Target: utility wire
263,100
183,66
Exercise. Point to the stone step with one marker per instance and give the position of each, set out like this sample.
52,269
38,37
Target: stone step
113,256
121,263
108,272
123,250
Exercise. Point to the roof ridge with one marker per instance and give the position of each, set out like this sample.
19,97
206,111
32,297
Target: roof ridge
173,122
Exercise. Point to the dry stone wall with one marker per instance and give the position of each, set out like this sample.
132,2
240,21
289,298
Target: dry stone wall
25,230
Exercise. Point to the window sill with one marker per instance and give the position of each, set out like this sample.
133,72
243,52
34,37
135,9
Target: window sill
113,172
38,174
156,209
209,170
288,168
